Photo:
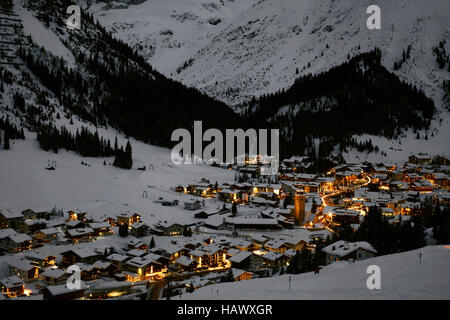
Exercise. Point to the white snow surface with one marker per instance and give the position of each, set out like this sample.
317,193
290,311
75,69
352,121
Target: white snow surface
97,188
403,276
168,32
258,45
44,37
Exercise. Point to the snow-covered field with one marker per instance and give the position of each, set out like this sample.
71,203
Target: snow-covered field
27,184
403,276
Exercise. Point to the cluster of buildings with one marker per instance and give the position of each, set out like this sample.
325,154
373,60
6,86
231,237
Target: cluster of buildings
258,228
40,258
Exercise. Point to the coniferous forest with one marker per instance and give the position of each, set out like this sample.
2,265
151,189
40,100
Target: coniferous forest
83,142
357,97
112,85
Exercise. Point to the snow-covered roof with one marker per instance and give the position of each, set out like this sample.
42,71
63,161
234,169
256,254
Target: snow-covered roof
37,255
4,233
101,264
184,261
259,238
290,253
117,257
79,232
20,238
73,223
214,221
272,256
251,221
83,252
170,248
49,231
136,253
21,264
138,225
53,273
10,214
233,251
141,262
240,243
84,266
135,243
35,222
11,282
99,225
241,256
127,214
342,248
62,289
275,244
238,272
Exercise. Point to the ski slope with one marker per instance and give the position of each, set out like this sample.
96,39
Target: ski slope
97,188
403,276
44,37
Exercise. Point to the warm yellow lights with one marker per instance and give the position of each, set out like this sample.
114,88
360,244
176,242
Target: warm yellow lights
114,294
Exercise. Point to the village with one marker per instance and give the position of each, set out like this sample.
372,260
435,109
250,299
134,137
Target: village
252,228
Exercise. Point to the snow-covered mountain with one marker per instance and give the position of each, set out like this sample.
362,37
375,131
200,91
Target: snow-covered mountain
95,77
255,48
258,45
167,32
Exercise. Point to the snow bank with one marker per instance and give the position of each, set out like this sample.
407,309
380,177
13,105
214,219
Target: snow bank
403,276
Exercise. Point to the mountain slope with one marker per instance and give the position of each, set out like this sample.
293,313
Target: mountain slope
88,74
259,50
355,98
166,32
402,277
101,80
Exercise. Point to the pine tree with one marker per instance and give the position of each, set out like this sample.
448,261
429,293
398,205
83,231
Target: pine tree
152,243
234,209
228,277
123,230
294,266
6,143
116,147
287,200
128,156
